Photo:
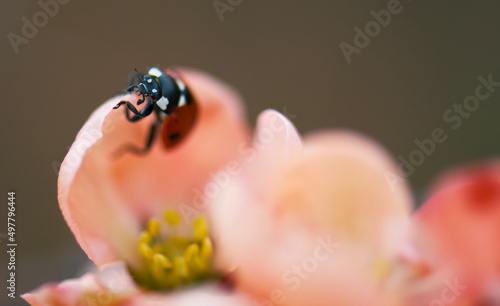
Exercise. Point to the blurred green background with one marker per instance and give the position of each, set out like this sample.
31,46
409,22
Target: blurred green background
279,54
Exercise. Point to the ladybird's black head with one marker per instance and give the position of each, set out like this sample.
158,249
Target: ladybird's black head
151,87
147,88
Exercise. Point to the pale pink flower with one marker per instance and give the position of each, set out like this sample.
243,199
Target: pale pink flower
311,224
324,222
312,221
106,201
458,234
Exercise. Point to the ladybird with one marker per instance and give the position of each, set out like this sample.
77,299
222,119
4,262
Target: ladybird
168,97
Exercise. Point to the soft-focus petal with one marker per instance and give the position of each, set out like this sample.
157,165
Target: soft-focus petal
341,185
109,285
85,290
112,286
276,135
207,295
86,198
104,199
458,228
334,194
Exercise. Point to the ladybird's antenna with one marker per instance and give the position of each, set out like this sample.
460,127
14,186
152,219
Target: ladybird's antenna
141,75
135,77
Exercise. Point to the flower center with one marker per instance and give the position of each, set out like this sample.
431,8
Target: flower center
171,259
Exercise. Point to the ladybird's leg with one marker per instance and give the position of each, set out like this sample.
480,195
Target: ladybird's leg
140,101
134,80
136,88
136,150
132,108
146,111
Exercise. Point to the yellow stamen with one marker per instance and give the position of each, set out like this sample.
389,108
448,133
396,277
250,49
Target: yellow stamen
145,237
181,268
191,251
200,227
153,227
206,248
157,248
145,250
172,217
162,261
170,257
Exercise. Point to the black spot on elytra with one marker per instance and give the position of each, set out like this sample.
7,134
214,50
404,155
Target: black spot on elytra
174,136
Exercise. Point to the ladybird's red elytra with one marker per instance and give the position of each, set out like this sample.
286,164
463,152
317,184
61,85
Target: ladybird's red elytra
177,126
166,95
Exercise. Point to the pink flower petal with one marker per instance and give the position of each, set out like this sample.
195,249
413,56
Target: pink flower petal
459,227
341,183
112,286
104,200
85,290
275,131
196,296
277,216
